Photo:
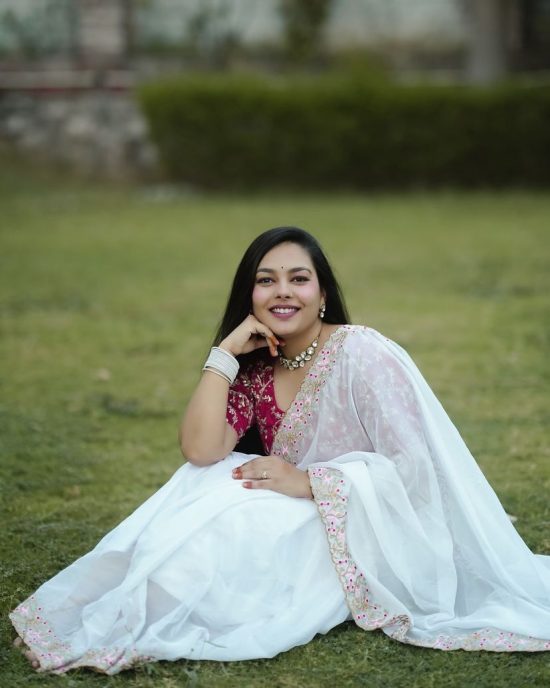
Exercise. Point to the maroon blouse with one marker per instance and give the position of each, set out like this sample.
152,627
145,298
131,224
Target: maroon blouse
252,400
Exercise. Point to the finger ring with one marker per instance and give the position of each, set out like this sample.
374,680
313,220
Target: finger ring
264,475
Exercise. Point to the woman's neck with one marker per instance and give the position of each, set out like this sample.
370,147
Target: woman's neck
296,345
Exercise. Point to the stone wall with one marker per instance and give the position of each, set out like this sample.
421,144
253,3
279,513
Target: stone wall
81,113
99,133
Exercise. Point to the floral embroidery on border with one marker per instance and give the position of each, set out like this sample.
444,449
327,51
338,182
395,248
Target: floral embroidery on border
331,495
285,443
330,491
56,656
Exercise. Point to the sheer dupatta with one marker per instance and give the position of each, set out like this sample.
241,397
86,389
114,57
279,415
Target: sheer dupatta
422,546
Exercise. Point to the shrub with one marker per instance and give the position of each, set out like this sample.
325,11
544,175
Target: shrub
243,132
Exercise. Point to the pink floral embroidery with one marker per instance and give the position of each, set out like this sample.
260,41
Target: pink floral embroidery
330,491
286,443
56,656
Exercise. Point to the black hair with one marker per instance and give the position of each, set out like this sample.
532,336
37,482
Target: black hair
239,302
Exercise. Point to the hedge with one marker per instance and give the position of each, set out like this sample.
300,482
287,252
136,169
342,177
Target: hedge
241,132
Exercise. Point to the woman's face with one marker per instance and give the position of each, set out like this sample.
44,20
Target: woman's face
287,295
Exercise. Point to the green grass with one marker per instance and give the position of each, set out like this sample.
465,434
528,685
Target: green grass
109,299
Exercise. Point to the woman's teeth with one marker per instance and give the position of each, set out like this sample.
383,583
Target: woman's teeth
284,312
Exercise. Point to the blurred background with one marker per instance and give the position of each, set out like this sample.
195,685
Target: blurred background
71,76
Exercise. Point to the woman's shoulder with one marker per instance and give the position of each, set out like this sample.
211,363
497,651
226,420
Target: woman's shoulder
353,342
367,343
361,334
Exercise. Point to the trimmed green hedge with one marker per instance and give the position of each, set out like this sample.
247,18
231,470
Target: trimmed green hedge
240,132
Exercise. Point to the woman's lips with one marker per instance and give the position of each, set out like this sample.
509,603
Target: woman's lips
284,313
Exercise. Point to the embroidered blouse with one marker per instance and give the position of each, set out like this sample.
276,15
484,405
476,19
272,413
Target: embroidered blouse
252,400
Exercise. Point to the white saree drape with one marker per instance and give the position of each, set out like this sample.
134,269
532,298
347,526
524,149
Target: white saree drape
405,535
422,545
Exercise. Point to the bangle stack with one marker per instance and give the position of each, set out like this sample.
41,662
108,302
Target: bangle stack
222,363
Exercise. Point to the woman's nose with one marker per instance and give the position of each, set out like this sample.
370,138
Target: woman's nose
284,289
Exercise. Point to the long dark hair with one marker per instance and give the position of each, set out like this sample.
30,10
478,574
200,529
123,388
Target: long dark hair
239,302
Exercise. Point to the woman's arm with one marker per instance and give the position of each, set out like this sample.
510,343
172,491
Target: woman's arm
205,436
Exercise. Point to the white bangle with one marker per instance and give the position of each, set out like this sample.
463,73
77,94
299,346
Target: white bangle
223,363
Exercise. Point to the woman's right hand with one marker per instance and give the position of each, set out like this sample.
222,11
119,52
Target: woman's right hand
250,335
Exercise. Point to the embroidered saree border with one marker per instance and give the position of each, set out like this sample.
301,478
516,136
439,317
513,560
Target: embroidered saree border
330,491
291,428
56,656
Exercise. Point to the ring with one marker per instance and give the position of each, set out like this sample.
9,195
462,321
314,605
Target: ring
264,475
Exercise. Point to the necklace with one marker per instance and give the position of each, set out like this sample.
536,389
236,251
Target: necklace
300,359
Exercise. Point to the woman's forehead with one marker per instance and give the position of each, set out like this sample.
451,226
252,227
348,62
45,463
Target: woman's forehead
286,256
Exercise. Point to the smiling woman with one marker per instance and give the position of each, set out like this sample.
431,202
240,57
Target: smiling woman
284,298
361,503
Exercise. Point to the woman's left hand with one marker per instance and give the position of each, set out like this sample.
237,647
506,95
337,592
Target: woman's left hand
272,473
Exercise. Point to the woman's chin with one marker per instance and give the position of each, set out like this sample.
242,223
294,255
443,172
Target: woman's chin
293,326
283,324
288,330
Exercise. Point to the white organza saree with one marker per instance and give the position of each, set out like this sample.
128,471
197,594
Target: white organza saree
405,535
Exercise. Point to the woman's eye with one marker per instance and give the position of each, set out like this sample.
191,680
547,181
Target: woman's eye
267,280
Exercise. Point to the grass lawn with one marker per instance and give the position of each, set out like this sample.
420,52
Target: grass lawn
109,298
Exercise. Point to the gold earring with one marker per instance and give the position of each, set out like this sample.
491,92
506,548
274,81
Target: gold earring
322,311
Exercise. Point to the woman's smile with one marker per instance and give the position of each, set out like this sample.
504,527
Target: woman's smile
284,312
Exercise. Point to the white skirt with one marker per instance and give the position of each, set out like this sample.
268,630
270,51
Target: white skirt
204,569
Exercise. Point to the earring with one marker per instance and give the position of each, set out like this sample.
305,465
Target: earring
322,311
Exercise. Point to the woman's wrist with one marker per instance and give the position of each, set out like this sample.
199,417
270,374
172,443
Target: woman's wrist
306,485
226,346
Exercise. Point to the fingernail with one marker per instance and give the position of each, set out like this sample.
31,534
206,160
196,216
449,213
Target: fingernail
247,484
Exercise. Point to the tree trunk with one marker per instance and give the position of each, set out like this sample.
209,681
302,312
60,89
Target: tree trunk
487,27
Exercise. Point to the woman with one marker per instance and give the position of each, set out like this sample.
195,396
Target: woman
363,503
